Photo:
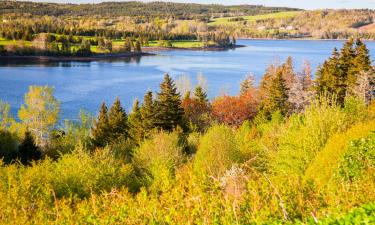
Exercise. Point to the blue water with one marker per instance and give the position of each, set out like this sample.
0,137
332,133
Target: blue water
84,85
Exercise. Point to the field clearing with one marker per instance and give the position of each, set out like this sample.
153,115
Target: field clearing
278,15
175,44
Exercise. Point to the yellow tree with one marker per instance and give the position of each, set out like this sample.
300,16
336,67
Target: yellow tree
40,112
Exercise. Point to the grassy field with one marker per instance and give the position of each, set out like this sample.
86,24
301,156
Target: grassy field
175,44
226,20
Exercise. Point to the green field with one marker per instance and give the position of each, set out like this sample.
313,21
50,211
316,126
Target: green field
278,15
175,44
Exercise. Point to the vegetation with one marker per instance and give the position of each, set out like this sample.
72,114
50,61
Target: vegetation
84,30
290,151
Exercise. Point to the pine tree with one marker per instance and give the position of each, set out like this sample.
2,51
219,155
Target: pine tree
148,113
100,131
28,151
278,97
169,111
200,95
135,123
117,121
346,66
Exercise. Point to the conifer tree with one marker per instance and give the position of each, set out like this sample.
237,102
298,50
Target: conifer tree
169,112
278,97
200,95
28,151
135,123
100,131
346,66
117,121
330,80
148,113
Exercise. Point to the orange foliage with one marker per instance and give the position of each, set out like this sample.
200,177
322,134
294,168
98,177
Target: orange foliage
234,110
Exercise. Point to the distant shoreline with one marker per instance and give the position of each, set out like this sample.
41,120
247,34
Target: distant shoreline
297,39
147,51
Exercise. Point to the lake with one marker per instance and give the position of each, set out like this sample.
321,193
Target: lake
84,85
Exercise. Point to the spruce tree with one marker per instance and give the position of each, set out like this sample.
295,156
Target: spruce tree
169,112
136,131
330,80
117,121
200,95
100,131
28,151
148,113
277,99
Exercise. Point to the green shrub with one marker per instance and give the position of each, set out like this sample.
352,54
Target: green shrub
359,158
217,151
306,135
158,158
327,161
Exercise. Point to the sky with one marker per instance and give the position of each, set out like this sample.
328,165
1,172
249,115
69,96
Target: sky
303,4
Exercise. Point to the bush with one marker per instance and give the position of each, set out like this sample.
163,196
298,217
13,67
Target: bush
158,158
217,152
359,158
326,162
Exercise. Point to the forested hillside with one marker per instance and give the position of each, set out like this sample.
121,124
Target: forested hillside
136,9
291,150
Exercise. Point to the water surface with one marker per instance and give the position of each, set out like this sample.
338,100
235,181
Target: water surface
84,85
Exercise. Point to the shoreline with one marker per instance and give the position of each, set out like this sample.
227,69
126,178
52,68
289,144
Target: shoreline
296,39
148,51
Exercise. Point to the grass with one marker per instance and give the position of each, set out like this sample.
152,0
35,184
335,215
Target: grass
176,44
278,15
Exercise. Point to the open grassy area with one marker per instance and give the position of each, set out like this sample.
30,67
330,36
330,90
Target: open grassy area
278,15
176,44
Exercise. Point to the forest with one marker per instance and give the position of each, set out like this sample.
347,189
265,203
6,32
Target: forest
296,149
48,29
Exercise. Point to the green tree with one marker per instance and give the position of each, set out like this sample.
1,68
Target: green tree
200,95
117,121
136,131
148,113
28,151
277,99
100,131
169,112
40,112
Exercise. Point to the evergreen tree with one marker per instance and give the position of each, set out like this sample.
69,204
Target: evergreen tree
100,131
118,121
330,80
346,66
148,113
278,97
200,95
169,111
28,151
135,123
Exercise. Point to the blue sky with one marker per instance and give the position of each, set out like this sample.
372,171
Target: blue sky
305,4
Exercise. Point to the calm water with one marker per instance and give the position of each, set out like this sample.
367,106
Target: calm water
85,85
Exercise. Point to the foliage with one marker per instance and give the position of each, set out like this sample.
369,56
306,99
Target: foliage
360,157
217,152
158,158
40,112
